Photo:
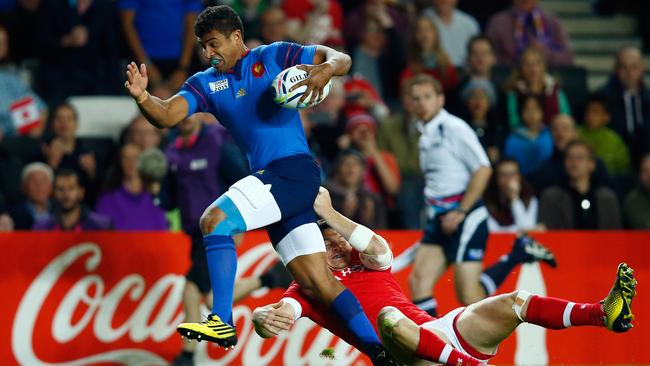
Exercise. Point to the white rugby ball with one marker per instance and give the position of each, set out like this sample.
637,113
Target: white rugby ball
289,99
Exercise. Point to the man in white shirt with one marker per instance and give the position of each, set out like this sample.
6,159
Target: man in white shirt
456,171
456,28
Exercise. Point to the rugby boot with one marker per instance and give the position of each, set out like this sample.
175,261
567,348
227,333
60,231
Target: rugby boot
618,304
212,329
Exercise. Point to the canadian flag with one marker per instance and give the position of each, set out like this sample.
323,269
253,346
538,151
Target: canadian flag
25,115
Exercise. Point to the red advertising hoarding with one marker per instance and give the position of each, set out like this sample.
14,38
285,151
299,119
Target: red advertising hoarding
115,298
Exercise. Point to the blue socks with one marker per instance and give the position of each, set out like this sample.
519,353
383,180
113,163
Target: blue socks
222,265
348,309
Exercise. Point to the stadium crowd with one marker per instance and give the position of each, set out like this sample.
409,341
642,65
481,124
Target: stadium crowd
562,158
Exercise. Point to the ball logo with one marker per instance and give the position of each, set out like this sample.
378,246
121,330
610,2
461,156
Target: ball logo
297,78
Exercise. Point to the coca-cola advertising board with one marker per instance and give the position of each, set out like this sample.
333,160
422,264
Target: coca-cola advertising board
115,299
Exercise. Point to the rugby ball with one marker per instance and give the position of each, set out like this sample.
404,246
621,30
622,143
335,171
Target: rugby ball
283,83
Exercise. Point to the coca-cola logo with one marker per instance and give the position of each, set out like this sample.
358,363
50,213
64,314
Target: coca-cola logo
153,318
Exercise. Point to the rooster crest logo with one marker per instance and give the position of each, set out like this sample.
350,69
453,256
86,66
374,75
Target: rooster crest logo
257,69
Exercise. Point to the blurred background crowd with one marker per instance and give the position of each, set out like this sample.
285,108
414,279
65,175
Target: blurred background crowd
554,89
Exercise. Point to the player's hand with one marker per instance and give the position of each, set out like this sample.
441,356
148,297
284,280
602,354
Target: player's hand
451,220
319,76
323,202
136,79
273,319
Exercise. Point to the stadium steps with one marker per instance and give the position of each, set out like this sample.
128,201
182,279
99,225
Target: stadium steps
595,39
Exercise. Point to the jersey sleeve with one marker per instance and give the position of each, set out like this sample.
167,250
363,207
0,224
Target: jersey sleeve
287,54
295,293
472,153
194,94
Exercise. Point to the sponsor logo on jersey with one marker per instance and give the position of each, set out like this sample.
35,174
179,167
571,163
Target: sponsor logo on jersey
257,69
241,92
218,85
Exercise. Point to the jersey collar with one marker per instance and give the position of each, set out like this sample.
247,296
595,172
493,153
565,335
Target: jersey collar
431,124
237,68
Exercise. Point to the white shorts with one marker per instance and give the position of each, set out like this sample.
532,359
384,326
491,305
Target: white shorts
446,325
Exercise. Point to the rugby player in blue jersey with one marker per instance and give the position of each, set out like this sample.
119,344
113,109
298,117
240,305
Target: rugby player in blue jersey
280,193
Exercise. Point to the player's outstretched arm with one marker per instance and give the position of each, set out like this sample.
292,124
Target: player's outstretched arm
160,113
375,252
273,319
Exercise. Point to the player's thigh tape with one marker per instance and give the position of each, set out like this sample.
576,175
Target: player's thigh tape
233,223
255,202
520,301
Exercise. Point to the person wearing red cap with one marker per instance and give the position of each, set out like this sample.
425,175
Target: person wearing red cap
382,174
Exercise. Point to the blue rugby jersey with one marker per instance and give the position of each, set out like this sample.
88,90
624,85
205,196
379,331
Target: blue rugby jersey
242,101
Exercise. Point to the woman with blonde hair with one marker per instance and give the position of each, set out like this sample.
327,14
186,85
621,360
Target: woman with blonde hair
531,79
428,55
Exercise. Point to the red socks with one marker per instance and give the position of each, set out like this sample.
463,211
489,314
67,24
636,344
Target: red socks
554,313
432,348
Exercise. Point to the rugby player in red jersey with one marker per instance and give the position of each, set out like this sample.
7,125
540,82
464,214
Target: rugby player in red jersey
361,260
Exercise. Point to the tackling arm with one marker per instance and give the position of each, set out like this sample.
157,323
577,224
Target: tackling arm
273,319
374,252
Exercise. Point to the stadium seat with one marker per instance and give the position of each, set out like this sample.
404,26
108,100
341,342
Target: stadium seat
103,116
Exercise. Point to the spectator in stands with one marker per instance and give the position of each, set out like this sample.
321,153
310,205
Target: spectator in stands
64,150
314,21
350,197
326,124
530,144
552,172
362,97
250,12
510,200
69,213
579,203
427,55
455,27
399,135
37,179
636,207
377,11
606,143
382,173
379,55
21,110
6,223
78,45
125,200
142,133
479,100
526,25
273,26
162,37
531,79
628,100
480,59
